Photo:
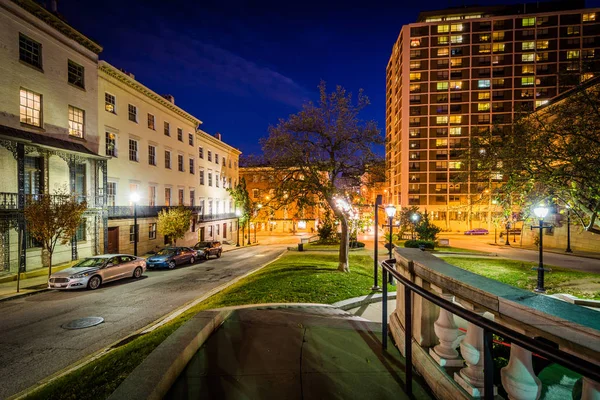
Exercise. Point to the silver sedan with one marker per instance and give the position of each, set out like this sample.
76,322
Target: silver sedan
94,271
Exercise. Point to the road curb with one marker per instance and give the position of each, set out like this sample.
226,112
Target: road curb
157,323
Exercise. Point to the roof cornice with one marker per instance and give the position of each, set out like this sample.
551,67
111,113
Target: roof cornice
132,83
55,22
215,141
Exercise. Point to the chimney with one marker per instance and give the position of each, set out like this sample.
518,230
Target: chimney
218,136
129,74
169,98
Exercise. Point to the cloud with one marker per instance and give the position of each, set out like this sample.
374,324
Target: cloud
199,64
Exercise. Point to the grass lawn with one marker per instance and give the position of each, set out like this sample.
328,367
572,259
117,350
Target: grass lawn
517,273
309,277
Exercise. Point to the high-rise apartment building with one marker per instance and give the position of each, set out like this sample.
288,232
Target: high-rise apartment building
460,72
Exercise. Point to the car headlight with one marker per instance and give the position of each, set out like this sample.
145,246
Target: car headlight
83,275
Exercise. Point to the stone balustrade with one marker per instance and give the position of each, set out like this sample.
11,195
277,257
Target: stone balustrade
437,333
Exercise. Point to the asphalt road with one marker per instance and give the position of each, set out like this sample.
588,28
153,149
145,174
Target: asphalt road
33,345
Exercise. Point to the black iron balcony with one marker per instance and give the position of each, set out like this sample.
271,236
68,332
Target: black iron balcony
10,200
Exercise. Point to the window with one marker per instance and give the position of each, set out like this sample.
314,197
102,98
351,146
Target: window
415,53
415,64
526,94
180,134
483,106
454,164
455,119
528,21
111,193
201,176
498,36
456,85
456,27
442,52
497,47
527,57
111,144
456,62
573,30
180,163
151,122
441,120
484,48
442,39
110,103
30,51
542,44
216,158
527,69
151,155
443,28
485,37
441,142
571,54
414,88
30,108
415,42
209,155
457,51
483,96
181,196
191,139
75,74
209,178
456,39
132,233
167,129
415,76
455,131
167,196
152,230
528,45
133,150
442,86
216,180
200,152
539,103
76,121
541,56
192,168
589,17
527,81
152,196
167,159
132,113
588,53
483,83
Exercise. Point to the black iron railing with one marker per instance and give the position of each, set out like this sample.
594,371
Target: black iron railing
116,212
574,363
10,200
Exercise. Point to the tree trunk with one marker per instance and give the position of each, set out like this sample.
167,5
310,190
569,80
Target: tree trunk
343,265
49,263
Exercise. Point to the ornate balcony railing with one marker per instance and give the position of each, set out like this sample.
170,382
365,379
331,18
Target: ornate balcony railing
117,212
10,200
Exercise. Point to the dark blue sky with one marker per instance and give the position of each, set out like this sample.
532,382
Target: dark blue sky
239,66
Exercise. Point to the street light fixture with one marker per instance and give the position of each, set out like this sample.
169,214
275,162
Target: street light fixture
135,198
238,214
541,213
415,220
568,250
390,211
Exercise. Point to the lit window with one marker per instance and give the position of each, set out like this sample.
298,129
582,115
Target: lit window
433,19
415,88
455,131
442,40
586,76
454,164
456,27
528,45
456,85
415,76
528,21
588,53
455,119
527,69
573,30
483,83
527,81
589,17
415,64
497,47
443,28
483,106
111,144
443,52
541,56
484,48
542,44
442,86
110,103
30,108
571,54
151,121
415,42
441,119
456,39
527,57
484,37
498,36
441,142
539,103
483,95
456,62
76,121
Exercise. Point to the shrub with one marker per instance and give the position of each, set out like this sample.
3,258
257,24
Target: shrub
356,245
415,244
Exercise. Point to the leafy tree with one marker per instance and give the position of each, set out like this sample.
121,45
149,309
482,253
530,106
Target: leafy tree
318,147
426,230
551,154
53,218
326,230
174,222
407,224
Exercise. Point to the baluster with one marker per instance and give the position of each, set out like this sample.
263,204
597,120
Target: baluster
518,378
445,328
590,390
470,378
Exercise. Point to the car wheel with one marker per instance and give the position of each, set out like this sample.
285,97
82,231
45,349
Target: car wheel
192,260
171,264
94,282
137,273
219,254
206,255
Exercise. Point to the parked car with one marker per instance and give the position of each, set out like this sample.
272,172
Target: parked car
170,257
477,231
207,249
94,271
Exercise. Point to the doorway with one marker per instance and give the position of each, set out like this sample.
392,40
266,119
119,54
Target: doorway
225,230
113,240
201,234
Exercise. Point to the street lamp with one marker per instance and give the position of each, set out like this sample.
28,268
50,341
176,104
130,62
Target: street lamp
259,207
390,211
238,214
135,198
378,201
568,250
507,235
415,220
540,212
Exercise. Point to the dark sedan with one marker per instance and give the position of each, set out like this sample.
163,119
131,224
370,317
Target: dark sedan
207,249
170,257
477,231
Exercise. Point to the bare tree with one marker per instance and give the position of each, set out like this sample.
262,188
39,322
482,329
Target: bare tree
318,147
53,218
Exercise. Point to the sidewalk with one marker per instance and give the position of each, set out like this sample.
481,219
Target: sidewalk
577,253
36,281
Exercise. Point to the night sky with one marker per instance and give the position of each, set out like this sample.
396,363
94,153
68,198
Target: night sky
239,66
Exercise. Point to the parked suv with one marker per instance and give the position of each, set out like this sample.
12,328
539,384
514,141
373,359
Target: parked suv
207,249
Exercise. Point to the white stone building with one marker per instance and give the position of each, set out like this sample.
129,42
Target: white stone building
48,129
157,151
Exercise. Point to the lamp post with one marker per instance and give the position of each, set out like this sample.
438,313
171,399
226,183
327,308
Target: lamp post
507,235
259,207
568,250
540,212
238,214
135,197
390,211
378,201
415,220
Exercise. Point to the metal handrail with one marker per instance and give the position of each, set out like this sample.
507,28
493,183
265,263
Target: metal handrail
576,364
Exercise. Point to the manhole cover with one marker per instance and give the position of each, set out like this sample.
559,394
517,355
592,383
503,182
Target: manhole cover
83,323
